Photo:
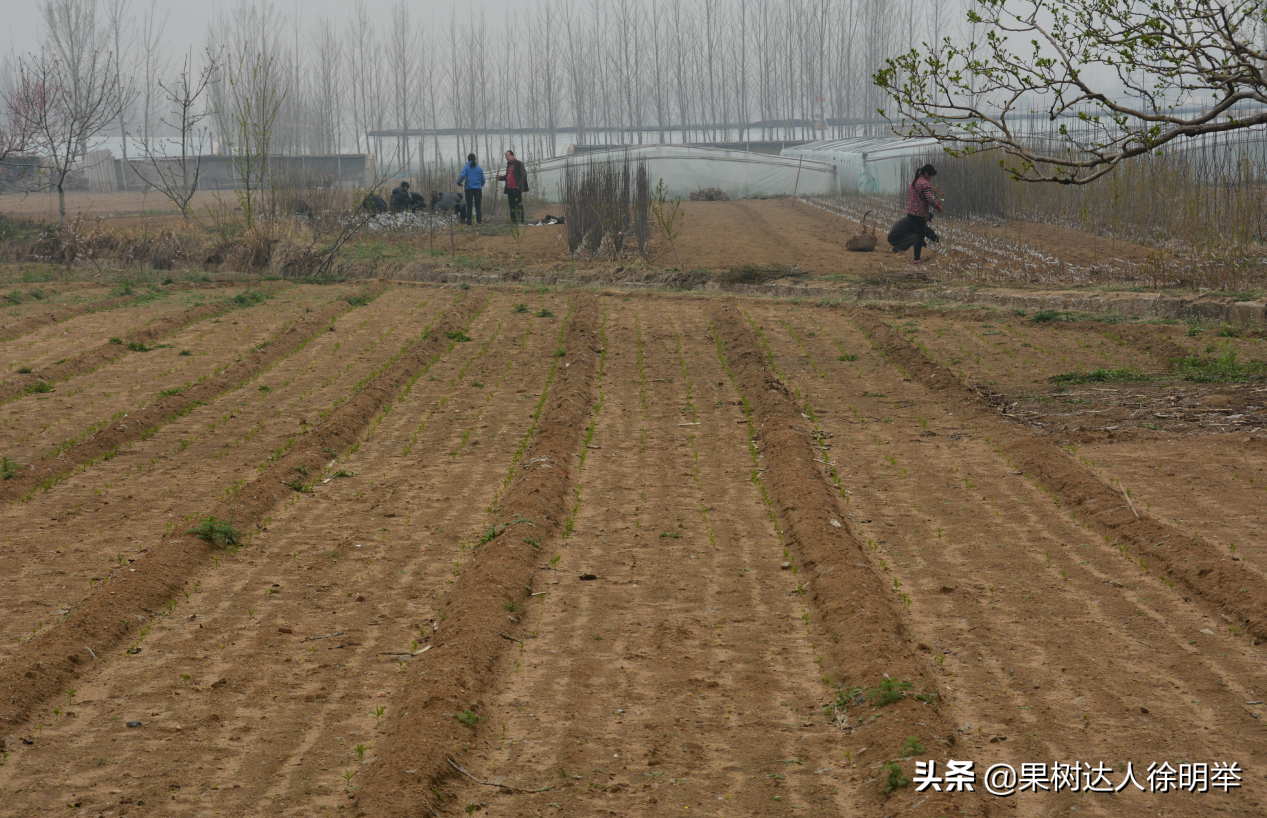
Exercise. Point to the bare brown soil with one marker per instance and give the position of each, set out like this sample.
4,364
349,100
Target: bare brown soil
528,551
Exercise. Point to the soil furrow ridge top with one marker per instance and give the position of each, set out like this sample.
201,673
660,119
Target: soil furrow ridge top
444,696
43,666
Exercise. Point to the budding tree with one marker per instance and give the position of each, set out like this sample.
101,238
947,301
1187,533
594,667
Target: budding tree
1121,77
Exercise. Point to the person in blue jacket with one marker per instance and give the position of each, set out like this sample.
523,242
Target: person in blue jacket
472,178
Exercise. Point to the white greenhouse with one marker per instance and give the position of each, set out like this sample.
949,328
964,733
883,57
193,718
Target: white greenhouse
685,168
868,164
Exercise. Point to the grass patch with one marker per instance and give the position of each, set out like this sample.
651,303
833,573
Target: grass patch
893,778
249,298
219,532
1221,369
889,691
1101,376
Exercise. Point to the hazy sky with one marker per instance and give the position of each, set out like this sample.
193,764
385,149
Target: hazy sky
187,21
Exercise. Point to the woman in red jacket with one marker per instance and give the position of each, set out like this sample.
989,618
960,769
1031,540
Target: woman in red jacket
919,198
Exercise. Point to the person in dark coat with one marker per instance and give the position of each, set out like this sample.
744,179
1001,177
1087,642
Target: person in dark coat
374,203
912,230
472,180
417,202
400,198
516,178
448,202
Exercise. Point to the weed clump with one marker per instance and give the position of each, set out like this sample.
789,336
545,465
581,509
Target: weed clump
8,468
913,747
1221,369
467,717
249,298
298,484
520,308
357,299
458,335
544,313
893,778
1100,376
24,370
216,531
40,387
889,692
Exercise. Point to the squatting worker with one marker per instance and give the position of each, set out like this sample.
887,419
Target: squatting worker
400,198
450,202
919,198
472,179
516,179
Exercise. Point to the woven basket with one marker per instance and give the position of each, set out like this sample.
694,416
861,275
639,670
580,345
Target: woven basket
864,242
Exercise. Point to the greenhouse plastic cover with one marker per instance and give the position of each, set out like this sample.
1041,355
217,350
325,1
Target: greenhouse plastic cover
685,168
868,164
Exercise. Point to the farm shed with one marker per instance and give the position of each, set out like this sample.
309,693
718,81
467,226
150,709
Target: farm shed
685,168
868,164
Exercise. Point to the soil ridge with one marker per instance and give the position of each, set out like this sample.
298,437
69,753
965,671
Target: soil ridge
166,407
86,362
151,587
868,644
1220,580
480,613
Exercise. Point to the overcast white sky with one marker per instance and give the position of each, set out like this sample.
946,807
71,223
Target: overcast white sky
188,19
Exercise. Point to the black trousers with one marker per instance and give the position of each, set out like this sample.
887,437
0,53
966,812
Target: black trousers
515,198
474,204
921,224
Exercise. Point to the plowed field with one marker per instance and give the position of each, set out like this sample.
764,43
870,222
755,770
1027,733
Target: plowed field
394,551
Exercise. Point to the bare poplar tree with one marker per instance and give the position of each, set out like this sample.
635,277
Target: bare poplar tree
327,79
153,64
120,33
401,67
176,177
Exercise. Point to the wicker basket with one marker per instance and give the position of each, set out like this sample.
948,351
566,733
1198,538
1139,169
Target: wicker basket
864,242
